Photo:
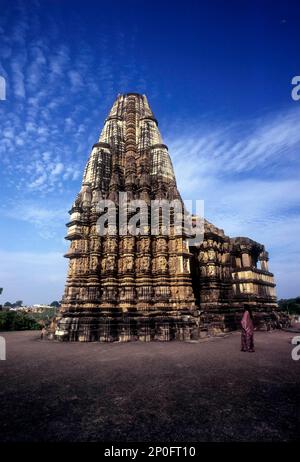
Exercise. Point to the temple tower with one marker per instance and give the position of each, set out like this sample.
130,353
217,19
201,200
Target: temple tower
122,286
153,283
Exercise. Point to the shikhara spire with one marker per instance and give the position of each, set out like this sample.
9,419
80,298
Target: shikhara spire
129,132
147,287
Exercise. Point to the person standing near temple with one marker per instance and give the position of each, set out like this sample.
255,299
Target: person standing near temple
43,332
247,339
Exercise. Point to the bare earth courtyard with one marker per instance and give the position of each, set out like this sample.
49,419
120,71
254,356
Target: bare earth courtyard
150,392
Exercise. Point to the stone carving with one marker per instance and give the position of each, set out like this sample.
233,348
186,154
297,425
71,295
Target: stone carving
162,264
145,264
211,255
145,246
128,263
173,264
185,265
110,263
94,263
161,245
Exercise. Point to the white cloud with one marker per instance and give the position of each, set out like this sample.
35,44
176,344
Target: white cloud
250,184
59,167
41,180
48,221
18,75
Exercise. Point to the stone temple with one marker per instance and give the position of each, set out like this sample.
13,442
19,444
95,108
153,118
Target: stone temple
123,287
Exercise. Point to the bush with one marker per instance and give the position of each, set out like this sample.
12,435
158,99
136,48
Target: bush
14,320
290,305
45,317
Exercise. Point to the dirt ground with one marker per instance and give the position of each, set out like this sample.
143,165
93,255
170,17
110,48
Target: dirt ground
150,392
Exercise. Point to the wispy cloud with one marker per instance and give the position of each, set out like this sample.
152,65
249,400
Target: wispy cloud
236,148
57,97
248,175
48,221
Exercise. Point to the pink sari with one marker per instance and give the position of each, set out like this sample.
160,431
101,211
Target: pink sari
247,333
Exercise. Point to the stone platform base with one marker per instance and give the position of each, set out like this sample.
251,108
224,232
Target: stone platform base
118,327
214,322
93,328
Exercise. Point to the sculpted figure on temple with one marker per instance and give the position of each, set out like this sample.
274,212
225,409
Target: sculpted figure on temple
145,264
179,244
129,244
173,264
172,245
82,245
110,263
72,266
128,263
96,244
162,264
161,245
110,245
211,270
205,257
94,263
185,265
211,255
145,245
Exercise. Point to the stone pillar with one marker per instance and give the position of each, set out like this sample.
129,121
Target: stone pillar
238,262
246,260
264,258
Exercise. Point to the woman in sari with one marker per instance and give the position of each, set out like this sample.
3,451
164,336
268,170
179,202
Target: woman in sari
247,331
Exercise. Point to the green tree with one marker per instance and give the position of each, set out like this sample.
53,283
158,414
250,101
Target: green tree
12,320
55,304
290,305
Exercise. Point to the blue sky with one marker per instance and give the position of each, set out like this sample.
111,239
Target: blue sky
218,77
